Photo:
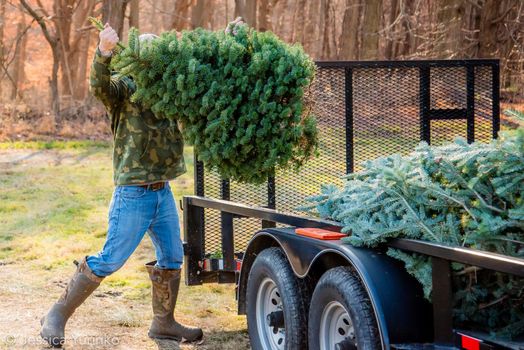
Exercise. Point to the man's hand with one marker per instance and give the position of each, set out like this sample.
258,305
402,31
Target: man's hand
108,40
232,27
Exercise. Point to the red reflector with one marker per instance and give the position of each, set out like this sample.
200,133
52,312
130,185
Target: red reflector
239,265
319,233
470,343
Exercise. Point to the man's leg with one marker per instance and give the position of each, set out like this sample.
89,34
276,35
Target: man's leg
131,212
165,272
165,233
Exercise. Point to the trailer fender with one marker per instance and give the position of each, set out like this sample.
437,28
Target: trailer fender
396,297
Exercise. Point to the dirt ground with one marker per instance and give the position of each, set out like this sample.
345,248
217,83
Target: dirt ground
37,246
107,320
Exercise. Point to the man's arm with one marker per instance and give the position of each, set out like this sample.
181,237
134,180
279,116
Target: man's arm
110,91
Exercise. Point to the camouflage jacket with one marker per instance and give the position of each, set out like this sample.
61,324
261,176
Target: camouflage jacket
146,148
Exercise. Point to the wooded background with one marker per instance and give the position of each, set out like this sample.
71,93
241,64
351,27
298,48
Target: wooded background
46,46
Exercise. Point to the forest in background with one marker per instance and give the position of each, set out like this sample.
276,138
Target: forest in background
46,46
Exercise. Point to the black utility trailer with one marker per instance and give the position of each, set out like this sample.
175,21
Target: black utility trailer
298,284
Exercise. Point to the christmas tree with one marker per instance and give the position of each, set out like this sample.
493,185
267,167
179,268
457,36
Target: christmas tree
239,98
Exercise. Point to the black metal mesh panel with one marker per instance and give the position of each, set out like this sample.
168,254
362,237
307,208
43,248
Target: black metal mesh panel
386,117
484,123
365,110
328,93
243,228
448,88
213,242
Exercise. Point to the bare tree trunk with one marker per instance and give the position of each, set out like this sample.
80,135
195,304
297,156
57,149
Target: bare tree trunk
71,22
80,91
79,48
200,14
298,21
247,9
405,42
2,26
310,41
18,70
329,49
63,10
370,29
265,11
113,12
472,29
390,30
283,19
53,82
180,15
52,39
134,11
450,18
350,25
488,28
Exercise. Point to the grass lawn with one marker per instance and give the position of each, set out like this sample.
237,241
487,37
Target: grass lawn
54,198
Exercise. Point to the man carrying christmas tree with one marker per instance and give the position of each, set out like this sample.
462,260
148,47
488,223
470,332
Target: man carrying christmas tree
147,154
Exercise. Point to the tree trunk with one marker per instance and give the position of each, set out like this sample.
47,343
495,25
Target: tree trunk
18,70
2,26
71,23
113,12
298,21
180,15
63,10
370,29
134,10
488,28
329,48
247,9
80,88
450,17
265,11
79,48
390,31
310,41
350,28
53,82
405,42
472,29
200,15
53,40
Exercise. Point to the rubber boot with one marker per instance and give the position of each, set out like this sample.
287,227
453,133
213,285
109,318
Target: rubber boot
81,285
165,284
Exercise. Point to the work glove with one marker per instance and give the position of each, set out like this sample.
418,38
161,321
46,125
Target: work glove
232,27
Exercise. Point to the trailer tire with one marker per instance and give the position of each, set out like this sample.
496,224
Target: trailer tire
272,270
341,313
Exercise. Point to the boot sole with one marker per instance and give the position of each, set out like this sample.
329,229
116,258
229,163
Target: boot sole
55,342
170,337
163,337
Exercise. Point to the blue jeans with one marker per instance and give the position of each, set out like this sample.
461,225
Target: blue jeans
133,212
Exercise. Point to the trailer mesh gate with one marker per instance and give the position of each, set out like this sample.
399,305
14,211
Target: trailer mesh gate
365,110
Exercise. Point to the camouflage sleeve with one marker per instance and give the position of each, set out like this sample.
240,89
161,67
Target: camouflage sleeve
108,89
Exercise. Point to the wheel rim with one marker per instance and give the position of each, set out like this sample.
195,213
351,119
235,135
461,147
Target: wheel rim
269,301
335,326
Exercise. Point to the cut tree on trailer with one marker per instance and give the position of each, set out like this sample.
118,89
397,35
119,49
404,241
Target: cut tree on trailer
300,285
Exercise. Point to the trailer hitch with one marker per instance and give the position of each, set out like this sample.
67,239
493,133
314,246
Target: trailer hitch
276,320
346,344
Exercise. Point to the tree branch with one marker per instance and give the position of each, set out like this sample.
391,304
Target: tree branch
40,19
